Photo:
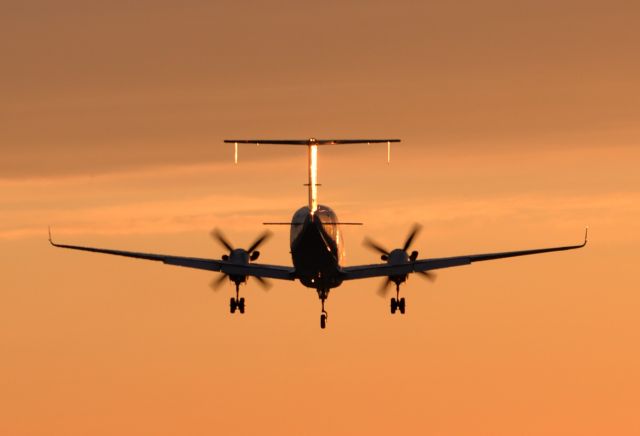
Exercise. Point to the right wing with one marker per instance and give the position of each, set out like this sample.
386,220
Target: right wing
250,269
387,269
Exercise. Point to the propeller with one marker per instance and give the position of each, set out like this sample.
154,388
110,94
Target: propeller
398,256
407,244
264,283
252,251
384,287
239,256
216,283
219,236
428,275
374,246
414,232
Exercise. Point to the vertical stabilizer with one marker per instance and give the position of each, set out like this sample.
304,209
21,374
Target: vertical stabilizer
313,178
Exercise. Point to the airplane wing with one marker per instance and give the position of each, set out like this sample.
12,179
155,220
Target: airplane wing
251,269
386,269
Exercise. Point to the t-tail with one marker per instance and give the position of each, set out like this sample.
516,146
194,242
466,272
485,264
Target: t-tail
312,152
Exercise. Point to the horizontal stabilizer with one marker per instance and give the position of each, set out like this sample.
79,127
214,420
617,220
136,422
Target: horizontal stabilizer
310,141
299,224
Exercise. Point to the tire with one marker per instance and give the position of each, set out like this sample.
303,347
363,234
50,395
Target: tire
401,305
323,321
394,305
232,305
241,305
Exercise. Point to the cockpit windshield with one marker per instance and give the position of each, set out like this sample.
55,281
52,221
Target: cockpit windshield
328,219
326,216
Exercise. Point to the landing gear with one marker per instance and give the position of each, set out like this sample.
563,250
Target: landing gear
323,294
241,305
398,303
236,303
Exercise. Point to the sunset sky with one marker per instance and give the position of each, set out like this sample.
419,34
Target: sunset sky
519,124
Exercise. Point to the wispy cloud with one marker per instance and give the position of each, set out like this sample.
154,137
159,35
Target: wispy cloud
180,198
190,214
244,212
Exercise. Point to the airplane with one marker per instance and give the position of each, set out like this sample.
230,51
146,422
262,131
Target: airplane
317,245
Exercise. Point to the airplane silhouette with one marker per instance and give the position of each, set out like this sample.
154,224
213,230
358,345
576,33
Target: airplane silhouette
317,246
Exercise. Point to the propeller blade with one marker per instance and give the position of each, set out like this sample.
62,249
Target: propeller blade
215,284
266,284
414,231
219,236
384,289
428,275
369,243
266,235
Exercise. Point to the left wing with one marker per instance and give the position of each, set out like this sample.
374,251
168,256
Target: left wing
386,269
250,269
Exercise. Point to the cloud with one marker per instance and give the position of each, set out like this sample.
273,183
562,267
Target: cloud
246,212
181,198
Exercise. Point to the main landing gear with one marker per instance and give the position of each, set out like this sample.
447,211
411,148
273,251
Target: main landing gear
398,303
323,294
236,303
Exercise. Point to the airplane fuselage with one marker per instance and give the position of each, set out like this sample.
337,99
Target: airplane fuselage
317,247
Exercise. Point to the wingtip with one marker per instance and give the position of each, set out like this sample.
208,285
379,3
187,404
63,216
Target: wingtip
50,239
586,235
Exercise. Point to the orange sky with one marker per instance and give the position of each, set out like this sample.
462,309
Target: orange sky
519,125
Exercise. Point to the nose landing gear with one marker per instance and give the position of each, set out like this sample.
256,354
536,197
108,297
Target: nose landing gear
323,294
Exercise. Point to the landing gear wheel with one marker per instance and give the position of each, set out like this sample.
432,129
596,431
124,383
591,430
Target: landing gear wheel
241,305
232,305
401,305
394,305
323,293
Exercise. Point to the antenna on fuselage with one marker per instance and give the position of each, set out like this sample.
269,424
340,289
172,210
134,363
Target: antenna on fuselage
312,153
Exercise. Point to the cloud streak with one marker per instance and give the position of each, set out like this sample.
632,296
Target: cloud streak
246,212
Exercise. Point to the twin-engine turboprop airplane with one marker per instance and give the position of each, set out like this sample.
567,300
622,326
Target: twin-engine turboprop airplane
317,247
